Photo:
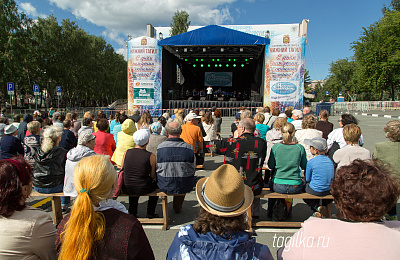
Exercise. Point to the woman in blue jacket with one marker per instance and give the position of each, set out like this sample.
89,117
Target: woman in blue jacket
219,231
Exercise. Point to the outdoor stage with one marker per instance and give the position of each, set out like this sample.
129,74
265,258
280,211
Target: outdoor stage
195,104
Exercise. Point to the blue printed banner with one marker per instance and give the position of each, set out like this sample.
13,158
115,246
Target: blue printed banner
144,75
284,71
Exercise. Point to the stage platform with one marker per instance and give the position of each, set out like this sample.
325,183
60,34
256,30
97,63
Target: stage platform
223,105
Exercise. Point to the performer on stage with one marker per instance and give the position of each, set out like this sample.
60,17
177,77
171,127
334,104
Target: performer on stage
209,93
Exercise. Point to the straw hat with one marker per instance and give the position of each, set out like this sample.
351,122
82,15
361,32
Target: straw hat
224,193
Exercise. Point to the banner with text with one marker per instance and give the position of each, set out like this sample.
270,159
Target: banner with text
144,75
284,71
218,79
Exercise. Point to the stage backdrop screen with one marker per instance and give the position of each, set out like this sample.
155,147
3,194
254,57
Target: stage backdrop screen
218,79
284,71
144,75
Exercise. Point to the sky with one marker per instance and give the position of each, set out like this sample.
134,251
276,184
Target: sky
333,25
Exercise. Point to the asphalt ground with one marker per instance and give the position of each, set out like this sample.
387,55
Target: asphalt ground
372,129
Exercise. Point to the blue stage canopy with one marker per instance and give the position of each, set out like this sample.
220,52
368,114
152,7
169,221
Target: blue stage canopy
214,35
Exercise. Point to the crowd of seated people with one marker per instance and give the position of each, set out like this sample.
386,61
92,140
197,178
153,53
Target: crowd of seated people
96,226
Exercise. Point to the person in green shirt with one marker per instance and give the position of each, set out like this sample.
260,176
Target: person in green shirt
286,159
389,152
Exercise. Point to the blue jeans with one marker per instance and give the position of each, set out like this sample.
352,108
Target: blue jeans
64,200
283,189
314,203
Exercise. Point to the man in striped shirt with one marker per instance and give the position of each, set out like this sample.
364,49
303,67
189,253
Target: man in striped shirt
175,165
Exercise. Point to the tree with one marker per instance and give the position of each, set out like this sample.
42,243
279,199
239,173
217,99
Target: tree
377,54
180,23
342,78
14,45
394,4
46,53
307,82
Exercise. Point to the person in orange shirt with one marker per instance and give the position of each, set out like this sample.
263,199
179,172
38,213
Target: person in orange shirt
191,133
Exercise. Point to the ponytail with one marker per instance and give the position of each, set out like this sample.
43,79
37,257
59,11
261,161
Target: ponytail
83,229
287,131
94,178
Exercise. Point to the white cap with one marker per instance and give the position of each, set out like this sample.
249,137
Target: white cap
192,116
141,137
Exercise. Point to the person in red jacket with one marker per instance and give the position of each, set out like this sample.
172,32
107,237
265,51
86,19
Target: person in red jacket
105,143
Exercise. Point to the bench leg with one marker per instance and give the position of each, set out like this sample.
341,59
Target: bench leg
249,220
165,212
329,209
57,211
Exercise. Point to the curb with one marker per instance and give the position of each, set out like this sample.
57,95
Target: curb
378,115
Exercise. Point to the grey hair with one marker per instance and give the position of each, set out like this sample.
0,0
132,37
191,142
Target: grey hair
173,128
246,114
248,124
50,137
260,110
298,113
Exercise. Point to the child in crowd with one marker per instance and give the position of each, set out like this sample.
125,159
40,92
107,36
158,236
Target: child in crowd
352,150
323,124
389,152
319,173
259,119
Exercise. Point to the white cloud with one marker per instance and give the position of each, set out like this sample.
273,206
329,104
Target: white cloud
30,10
131,16
123,52
115,36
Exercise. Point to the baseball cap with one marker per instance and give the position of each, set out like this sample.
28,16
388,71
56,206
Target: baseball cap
140,137
192,116
237,116
317,142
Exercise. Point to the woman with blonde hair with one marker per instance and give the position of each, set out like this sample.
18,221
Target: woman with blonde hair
49,167
273,136
258,120
209,128
98,226
308,131
286,159
144,122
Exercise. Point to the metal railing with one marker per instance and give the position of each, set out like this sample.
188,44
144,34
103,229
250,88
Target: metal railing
361,106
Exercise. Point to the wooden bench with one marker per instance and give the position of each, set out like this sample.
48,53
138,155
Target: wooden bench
268,194
57,211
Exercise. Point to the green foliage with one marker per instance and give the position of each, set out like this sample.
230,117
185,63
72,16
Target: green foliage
50,54
342,78
180,23
307,78
377,54
394,5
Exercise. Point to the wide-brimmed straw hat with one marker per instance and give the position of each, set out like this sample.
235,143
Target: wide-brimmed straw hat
224,193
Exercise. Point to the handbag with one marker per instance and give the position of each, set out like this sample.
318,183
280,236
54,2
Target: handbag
331,152
118,189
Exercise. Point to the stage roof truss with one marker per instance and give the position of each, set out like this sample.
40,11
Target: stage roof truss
222,52
215,41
